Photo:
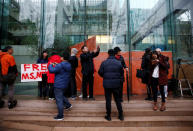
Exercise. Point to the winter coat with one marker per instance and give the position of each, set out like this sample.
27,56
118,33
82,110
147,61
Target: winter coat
8,64
74,64
145,65
87,62
163,67
52,59
42,61
62,73
111,70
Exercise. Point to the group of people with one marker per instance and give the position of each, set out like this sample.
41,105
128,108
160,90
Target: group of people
112,71
155,66
62,71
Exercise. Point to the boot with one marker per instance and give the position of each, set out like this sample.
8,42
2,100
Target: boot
1,103
163,107
155,106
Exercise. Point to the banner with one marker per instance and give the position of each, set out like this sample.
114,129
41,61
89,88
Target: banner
32,72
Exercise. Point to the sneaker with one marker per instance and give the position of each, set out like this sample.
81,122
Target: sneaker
73,98
51,99
2,104
58,118
108,118
159,96
10,105
80,96
68,108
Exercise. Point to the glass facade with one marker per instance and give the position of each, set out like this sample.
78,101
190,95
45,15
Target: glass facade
33,25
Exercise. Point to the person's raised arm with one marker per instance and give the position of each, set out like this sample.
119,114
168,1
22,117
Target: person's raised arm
55,69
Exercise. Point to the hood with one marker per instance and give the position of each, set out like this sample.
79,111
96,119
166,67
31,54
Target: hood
2,54
54,58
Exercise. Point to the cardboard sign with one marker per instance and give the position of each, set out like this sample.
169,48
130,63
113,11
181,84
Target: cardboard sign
32,72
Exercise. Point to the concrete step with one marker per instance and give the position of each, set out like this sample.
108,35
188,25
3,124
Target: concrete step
155,121
87,115
97,108
25,127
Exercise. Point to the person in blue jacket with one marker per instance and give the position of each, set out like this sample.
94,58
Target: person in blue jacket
62,73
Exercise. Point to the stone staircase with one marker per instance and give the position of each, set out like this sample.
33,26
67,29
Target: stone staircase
89,116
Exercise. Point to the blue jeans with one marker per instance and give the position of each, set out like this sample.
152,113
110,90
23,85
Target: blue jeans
61,100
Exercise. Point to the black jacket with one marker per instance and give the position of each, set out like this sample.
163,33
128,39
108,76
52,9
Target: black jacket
111,70
74,64
145,65
87,62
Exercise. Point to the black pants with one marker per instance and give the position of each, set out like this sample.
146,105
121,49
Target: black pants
87,79
121,92
73,85
108,96
149,91
43,87
51,90
154,85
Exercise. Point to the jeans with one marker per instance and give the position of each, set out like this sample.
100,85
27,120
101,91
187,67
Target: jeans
85,80
61,100
10,90
108,96
154,85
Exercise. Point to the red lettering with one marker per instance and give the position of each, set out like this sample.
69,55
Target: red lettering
25,76
32,76
26,66
44,67
35,67
39,75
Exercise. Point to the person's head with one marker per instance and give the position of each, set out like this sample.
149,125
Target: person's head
147,50
117,51
111,52
44,54
8,49
158,50
74,51
84,49
65,56
154,55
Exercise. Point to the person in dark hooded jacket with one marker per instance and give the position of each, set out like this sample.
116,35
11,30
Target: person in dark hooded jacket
145,65
111,70
119,57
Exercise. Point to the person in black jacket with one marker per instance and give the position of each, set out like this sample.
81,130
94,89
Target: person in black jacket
88,70
145,65
74,64
43,85
119,57
112,71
